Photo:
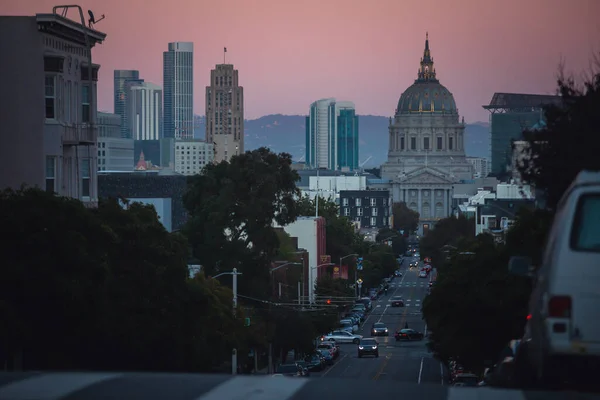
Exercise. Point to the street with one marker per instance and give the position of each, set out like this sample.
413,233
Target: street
398,361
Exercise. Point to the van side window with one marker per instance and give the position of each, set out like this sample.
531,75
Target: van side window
585,235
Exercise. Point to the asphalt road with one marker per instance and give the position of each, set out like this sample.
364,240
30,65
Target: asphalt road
398,361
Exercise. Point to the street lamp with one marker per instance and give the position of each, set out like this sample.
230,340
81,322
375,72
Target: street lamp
313,283
235,274
287,264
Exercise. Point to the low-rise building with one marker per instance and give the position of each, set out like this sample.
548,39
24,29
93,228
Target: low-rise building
192,155
49,127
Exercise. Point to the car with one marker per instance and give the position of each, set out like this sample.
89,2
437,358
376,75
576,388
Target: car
408,334
349,325
329,346
291,370
379,329
397,301
340,336
367,347
326,355
562,333
423,274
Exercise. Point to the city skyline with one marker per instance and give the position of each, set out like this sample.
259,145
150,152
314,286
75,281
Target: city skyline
378,62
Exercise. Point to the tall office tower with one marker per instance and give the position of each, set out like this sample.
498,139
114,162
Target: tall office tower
122,79
178,90
332,135
225,112
145,113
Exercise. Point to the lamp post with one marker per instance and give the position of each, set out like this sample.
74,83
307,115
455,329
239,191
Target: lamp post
287,264
235,274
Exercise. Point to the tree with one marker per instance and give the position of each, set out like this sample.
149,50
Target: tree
476,307
551,161
399,244
446,234
405,219
328,287
232,206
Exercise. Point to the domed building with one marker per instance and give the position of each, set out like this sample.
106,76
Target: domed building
426,153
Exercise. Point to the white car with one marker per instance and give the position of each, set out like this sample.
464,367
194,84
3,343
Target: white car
423,274
349,325
340,336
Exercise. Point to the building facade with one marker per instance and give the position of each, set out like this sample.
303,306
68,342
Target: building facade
332,135
191,155
371,208
145,111
178,90
49,125
481,166
426,147
162,189
122,80
225,112
510,115
115,153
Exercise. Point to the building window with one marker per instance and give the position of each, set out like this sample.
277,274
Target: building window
373,221
359,212
439,210
401,143
385,202
345,202
85,178
50,174
426,143
450,143
358,202
50,95
374,212
85,104
439,143
413,143
346,212
426,210
373,202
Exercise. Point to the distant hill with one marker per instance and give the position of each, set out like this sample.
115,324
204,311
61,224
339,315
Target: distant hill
286,133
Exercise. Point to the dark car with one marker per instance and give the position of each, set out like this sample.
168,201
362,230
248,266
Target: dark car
408,334
379,329
397,301
315,362
292,370
327,356
368,347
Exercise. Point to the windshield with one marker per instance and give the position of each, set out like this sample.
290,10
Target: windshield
368,342
378,325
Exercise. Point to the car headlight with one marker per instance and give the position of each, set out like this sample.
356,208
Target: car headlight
374,347
360,347
386,331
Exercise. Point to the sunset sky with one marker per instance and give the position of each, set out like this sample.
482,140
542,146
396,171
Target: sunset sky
291,53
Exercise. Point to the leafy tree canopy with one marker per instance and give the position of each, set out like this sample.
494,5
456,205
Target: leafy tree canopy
405,219
447,232
554,155
399,243
328,287
232,206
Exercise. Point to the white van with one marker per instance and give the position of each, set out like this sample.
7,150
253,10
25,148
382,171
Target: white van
562,334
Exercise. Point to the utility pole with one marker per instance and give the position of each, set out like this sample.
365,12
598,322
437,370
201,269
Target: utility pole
235,299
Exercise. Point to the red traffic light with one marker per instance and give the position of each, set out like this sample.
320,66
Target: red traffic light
328,301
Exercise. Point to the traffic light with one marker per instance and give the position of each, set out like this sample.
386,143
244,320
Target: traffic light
328,301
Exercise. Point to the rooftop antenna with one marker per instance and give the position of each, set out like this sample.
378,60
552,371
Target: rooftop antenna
92,20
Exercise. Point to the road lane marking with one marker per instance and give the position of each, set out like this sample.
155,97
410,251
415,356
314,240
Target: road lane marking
420,371
383,365
335,365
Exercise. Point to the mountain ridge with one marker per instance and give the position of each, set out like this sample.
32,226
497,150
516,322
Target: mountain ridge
286,133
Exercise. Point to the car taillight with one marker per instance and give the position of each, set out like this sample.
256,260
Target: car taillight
559,307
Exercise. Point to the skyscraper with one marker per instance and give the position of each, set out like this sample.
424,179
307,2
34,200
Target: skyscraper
332,135
225,112
123,78
178,90
145,114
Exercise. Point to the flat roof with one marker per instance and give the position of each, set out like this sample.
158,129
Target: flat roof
521,100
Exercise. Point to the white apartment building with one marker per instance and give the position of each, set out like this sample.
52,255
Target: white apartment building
329,187
191,155
48,126
115,153
481,166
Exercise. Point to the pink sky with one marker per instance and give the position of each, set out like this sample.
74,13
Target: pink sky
291,53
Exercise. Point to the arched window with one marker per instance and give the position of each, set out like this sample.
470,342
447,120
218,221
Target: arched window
439,210
426,210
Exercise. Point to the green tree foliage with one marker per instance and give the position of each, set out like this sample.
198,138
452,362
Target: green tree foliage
399,243
341,236
405,219
104,289
551,161
447,232
476,307
527,236
232,206
328,287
